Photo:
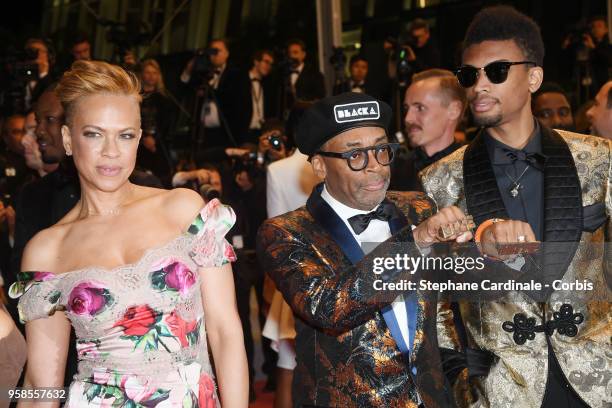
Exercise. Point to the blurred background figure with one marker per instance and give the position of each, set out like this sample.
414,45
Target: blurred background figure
303,80
157,117
423,51
260,105
14,171
551,105
44,57
600,114
220,91
358,71
81,48
588,54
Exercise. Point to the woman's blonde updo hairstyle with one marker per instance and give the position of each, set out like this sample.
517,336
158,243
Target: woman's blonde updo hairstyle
87,78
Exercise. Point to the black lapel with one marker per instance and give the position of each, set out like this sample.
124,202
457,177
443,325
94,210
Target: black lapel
562,191
482,195
335,227
562,205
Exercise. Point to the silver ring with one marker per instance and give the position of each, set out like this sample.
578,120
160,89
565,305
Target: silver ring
521,238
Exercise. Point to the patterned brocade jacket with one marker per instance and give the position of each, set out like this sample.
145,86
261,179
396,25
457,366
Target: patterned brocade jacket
577,207
347,355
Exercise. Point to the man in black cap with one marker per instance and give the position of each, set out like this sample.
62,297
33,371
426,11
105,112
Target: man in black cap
353,348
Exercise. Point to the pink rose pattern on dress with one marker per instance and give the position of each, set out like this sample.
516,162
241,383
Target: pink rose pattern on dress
147,325
88,298
174,275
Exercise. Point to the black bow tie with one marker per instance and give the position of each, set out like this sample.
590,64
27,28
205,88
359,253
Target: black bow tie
509,156
360,222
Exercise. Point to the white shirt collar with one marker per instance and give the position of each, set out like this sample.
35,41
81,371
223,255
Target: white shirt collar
253,75
344,211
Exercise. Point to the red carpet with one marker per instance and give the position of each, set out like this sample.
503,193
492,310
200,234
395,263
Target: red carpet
264,399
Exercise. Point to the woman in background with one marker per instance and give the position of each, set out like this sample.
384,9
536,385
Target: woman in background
157,117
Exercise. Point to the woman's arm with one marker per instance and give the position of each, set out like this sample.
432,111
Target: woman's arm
47,338
47,341
225,335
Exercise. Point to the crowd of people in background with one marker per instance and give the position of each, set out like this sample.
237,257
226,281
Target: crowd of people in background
240,148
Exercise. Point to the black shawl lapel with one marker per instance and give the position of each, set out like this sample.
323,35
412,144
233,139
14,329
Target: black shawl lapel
562,205
482,195
562,191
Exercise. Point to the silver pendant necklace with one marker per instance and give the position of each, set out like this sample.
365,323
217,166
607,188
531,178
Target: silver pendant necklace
516,185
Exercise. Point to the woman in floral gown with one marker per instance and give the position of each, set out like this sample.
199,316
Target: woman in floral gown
142,274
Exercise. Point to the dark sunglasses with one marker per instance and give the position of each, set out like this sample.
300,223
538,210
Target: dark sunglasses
496,71
357,159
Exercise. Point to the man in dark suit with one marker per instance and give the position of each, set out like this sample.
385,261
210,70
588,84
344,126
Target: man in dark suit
259,106
303,82
221,118
45,60
354,349
358,69
433,106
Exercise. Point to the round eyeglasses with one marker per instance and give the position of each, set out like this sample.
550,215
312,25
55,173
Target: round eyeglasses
358,159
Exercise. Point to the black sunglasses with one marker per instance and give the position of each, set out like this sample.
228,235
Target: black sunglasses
496,71
357,159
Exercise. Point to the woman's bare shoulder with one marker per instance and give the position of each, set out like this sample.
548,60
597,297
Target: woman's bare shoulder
42,251
181,206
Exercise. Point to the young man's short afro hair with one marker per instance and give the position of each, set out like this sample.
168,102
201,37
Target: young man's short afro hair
500,23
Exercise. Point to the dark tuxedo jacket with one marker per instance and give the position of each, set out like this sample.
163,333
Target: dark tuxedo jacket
310,84
232,91
350,352
270,99
346,87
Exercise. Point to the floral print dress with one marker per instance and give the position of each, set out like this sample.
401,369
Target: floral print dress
140,328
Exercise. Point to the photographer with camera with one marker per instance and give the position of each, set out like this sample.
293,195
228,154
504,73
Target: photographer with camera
44,58
302,81
250,187
240,181
220,91
422,50
588,49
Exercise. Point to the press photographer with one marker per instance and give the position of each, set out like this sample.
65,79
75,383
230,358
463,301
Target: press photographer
587,48
218,91
301,81
25,75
